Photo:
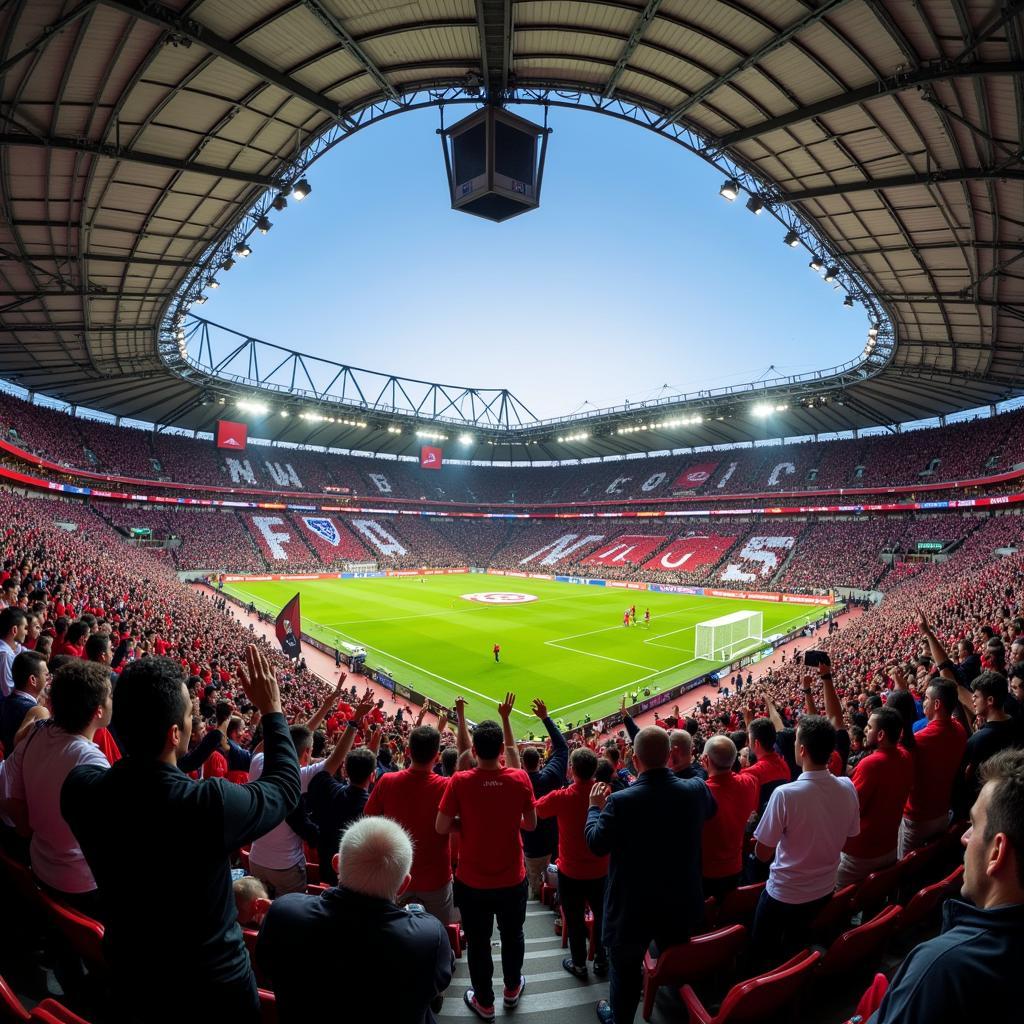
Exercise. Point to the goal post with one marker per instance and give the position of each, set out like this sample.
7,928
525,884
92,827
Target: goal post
724,638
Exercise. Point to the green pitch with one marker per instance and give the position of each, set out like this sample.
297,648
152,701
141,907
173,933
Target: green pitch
567,646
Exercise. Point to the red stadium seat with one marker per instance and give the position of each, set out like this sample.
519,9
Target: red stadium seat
456,937
859,944
739,905
83,933
312,873
758,998
49,1011
11,1009
685,963
879,887
834,916
929,898
268,1007
588,920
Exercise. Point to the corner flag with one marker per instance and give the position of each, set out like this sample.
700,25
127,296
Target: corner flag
288,627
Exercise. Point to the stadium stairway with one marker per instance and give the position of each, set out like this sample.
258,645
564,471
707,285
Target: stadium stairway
551,993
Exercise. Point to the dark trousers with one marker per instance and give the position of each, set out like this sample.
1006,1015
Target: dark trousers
573,895
625,980
781,929
719,888
479,908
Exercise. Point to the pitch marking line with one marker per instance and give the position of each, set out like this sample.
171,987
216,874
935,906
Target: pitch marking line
603,657
460,687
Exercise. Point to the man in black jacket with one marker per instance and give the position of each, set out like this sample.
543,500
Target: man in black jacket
352,953
652,830
540,845
966,973
143,819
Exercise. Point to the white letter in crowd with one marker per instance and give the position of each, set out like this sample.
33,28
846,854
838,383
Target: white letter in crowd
765,550
615,487
386,543
283,477
561,548
783,467
616,553
380,481
241,472
276,539
652,483
728,473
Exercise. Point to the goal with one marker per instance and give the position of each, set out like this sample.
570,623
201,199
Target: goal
360,567
724,638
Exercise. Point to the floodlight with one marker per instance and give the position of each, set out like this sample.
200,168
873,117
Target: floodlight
730,189
755,204
242,250
212,282
263,225
848,301
301,189
816,264
199,300
761,409
792,239
831,274
873,331
280,201
227,263
466,439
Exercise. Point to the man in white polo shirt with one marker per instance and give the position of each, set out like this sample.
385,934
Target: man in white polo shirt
802,832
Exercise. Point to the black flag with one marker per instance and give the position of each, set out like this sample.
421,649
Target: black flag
289,627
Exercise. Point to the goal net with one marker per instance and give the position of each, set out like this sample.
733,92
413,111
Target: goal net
724,638
360,567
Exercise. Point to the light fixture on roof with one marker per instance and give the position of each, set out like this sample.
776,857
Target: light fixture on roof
848,301
301,189
792,239
227,263
242,250
280,201
263,225
199,300
260,408
284,414
873,331
466,439
730,189
755,204
212,282
831,274
816,264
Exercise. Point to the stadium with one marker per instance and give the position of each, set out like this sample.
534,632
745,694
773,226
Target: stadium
345,567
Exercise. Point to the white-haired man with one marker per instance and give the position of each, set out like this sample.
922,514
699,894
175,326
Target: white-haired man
337,953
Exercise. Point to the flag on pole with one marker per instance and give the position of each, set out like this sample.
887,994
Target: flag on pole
288,627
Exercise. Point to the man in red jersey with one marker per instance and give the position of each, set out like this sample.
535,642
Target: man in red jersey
882,780
770,768
938,752
581,874
722,839
488,806
412,797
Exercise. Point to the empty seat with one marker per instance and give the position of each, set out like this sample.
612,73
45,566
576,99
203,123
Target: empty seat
860,944
85,934
758,998
682,964
739,905
11,1009
834,916
929,898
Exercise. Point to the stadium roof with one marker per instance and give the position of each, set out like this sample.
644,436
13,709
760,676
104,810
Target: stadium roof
141,141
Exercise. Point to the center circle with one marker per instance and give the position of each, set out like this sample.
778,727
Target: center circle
500,597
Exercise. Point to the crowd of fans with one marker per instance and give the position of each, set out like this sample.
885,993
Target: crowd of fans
965,450
117,683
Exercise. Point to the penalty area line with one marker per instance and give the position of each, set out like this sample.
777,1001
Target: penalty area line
459,687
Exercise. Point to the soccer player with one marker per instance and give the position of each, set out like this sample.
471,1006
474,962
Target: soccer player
625,617
497,652
632,613
647,617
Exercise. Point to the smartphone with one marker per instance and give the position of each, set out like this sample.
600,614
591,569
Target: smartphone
812,659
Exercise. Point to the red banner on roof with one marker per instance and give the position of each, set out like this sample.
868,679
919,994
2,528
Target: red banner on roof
430,457
694,476
232,435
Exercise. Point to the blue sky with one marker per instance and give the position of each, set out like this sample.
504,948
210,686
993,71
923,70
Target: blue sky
633,274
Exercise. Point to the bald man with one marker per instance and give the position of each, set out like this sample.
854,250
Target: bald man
680,756
652,832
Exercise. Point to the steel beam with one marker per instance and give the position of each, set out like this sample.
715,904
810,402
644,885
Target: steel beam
749,61
187,28
904,181
643,22
937,72
494,22
135,156
357,52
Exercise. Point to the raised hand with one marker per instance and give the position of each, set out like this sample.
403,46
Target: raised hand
505,708
340,685
599,794
365,705
540,709
460,708
258,680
